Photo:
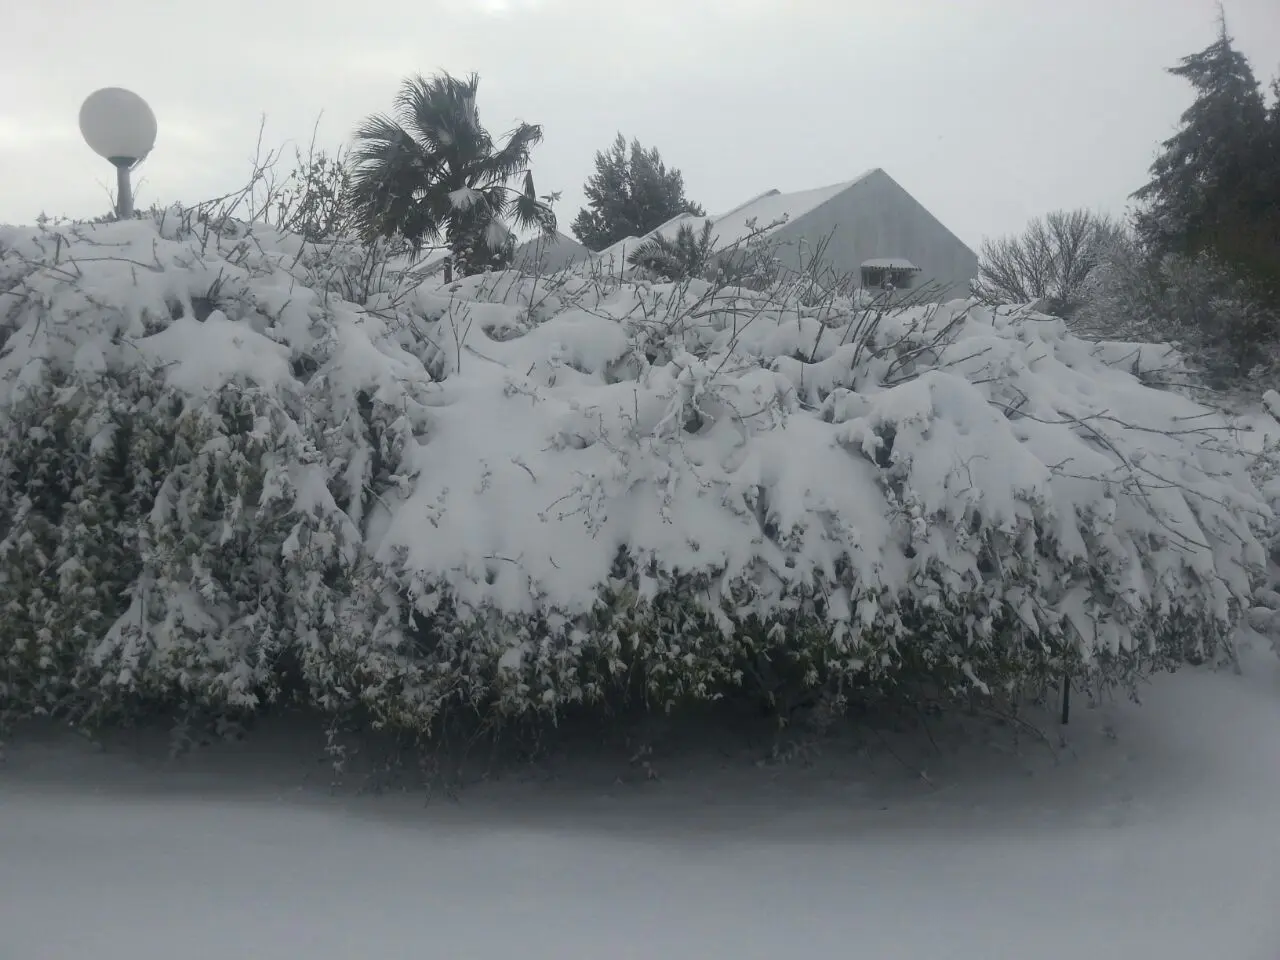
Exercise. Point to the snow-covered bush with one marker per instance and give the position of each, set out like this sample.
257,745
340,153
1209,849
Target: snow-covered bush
222,482
1193,301
1264,617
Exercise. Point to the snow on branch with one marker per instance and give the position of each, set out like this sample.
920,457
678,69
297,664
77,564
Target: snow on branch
234,458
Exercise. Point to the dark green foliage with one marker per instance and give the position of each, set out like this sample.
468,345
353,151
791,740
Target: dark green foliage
687,254
216,549
75,485
431,172
1213,188
631,193
1197,302
1201,266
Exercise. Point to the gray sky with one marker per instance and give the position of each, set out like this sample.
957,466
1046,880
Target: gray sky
988,111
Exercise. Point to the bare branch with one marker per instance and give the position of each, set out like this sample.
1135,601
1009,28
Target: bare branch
1051,263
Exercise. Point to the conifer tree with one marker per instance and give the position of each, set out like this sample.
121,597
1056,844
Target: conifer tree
1204,264
630,194
1269,212
1204,190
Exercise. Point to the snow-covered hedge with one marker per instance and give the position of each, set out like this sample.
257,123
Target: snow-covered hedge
236,466
1264,617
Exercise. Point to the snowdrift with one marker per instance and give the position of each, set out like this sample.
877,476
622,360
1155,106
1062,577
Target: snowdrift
237,466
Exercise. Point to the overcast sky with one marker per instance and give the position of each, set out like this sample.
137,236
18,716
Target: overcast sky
988,111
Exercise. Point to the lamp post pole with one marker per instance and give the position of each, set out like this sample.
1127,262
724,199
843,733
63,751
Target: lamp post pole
124,187
119,126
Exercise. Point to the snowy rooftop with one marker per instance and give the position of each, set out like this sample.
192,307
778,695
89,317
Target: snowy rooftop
617,253
425,264
540,242
746,203
766,210
733,227
889,263
673,226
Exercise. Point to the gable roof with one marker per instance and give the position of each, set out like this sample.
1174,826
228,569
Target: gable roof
558,249
747,203
769,211
770,207
929,213
620,249
555,252
729,228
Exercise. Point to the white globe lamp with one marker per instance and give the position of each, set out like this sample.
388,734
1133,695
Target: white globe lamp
119,126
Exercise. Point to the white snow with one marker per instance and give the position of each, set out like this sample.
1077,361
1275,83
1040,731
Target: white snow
773,192
531,431
1160,840
757,217
889,263
526,432
671,228
612,260
464,198
548,254
770,208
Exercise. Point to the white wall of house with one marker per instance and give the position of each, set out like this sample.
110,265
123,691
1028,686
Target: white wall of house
875,218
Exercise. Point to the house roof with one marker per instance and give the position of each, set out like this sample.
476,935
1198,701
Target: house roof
616,249
619,248
614,257
890,263
758,196
539,242
432,261
425,264
768,208
672,226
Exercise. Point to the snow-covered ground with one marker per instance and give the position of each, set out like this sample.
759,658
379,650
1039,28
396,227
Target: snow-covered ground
1155,833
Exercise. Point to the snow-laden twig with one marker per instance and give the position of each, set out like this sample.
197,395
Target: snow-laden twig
237,461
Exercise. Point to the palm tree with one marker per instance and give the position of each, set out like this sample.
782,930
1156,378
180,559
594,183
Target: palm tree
688,254
431,171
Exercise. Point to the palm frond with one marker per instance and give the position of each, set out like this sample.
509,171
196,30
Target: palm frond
441,114
530,213
387,168
495,200
431,170
688,254
513,156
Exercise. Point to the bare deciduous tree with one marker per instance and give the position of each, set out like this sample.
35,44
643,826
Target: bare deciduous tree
1053,261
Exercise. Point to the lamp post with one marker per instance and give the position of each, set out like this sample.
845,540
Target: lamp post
118,125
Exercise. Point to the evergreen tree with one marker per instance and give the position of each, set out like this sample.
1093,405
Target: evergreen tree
1205,186
1204,266
1269,214
630,194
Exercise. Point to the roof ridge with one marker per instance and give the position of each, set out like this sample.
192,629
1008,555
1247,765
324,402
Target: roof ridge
746,203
